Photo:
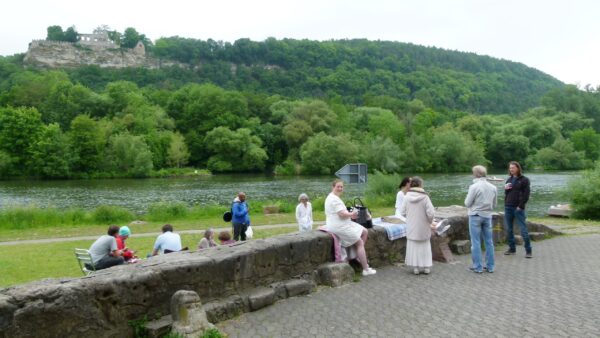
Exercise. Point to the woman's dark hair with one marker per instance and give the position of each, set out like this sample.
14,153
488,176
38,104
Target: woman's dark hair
416,182
404,182
224,236
113,230
167,227
516,164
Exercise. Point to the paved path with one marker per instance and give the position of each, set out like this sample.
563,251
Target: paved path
555,294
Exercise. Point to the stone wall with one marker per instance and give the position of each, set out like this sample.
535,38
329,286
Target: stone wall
100,305
59,54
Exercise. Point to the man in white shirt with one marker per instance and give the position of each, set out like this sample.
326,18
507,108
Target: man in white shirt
481,201
167,242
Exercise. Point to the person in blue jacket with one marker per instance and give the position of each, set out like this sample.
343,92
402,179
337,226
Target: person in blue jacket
241,217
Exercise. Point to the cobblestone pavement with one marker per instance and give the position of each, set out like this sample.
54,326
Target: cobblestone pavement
555,294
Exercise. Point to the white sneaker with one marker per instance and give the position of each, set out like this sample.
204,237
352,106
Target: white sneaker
416,271
369,271
426,271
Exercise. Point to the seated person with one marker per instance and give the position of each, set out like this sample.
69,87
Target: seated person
104,251
225,238
124,233
208,241
167,242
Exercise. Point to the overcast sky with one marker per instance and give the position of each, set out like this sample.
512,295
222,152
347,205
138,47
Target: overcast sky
561,38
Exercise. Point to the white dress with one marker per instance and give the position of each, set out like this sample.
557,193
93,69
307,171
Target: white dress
347,231
304,217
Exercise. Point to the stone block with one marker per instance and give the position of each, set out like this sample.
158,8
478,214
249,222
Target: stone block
189,317
225,309
295,287
335,274
261,297
537,236
461,246
518,240
159,327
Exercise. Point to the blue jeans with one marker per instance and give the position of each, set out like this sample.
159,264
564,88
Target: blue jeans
479,225
510,213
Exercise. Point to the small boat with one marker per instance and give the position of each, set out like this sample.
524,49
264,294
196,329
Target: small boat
495,179
560,210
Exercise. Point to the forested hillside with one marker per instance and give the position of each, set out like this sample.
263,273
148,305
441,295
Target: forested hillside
292,106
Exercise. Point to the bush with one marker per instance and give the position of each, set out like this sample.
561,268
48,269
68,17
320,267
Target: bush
106,214
164,212
585,195
35,217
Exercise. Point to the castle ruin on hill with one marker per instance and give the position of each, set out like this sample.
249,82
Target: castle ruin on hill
91,49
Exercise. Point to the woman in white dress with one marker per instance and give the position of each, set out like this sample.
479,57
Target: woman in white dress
337,221
304,213
419,212
404,186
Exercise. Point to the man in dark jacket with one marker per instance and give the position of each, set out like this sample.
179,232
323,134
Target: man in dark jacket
516,195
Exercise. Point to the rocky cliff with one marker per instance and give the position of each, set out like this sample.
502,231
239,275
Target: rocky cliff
57,54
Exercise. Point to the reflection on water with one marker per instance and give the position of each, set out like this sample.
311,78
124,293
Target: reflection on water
138,194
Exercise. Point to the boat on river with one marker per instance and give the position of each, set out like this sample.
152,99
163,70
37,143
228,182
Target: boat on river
495,179
560,210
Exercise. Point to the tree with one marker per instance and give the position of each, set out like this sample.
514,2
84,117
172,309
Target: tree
560,156
71,34
178,154
130,38
55,33
236,151
323,154
453,151
129,155
588,141
504,148
87,140
382,154
51,156
585,194
20,129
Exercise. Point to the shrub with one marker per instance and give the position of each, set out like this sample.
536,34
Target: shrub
106,214
585,194
167,211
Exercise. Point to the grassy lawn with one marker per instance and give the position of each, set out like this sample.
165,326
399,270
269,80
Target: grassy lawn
25,263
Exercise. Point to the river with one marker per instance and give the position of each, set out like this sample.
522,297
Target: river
547,188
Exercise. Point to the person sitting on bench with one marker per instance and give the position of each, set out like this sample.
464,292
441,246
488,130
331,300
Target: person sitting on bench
104,251
167,242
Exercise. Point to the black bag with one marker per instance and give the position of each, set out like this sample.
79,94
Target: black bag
364,216
227,216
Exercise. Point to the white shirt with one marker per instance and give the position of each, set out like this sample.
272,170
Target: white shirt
399,201
304,216
169,241
334,204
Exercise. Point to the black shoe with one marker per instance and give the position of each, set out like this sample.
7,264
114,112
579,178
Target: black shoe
528,255
510,252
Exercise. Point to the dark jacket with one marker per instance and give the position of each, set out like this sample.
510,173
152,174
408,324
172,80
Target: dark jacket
519,194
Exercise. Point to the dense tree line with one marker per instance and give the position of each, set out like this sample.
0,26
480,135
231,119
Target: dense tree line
53,124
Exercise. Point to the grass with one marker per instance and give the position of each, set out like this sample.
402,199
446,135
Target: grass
29,262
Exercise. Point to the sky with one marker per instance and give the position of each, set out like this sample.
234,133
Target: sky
560,38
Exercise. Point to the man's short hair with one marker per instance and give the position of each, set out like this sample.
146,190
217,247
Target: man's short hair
167,227
113,230
479,171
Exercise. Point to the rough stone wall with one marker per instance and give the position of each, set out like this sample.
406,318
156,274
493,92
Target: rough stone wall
100,305
59,54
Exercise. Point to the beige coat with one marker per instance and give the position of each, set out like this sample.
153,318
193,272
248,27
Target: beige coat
419,212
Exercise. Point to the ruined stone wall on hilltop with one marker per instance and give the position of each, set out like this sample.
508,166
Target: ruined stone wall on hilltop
60,54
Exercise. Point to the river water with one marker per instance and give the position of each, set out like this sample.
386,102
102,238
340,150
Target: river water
138,194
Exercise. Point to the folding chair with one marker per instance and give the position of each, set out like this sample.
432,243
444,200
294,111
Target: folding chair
84,258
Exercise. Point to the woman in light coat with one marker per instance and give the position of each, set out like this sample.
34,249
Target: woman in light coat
304,213
419,212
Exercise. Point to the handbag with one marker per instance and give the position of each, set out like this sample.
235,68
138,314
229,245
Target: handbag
227,215
249,232
364,216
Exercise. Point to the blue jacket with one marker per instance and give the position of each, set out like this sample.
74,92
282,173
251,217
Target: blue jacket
240,213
